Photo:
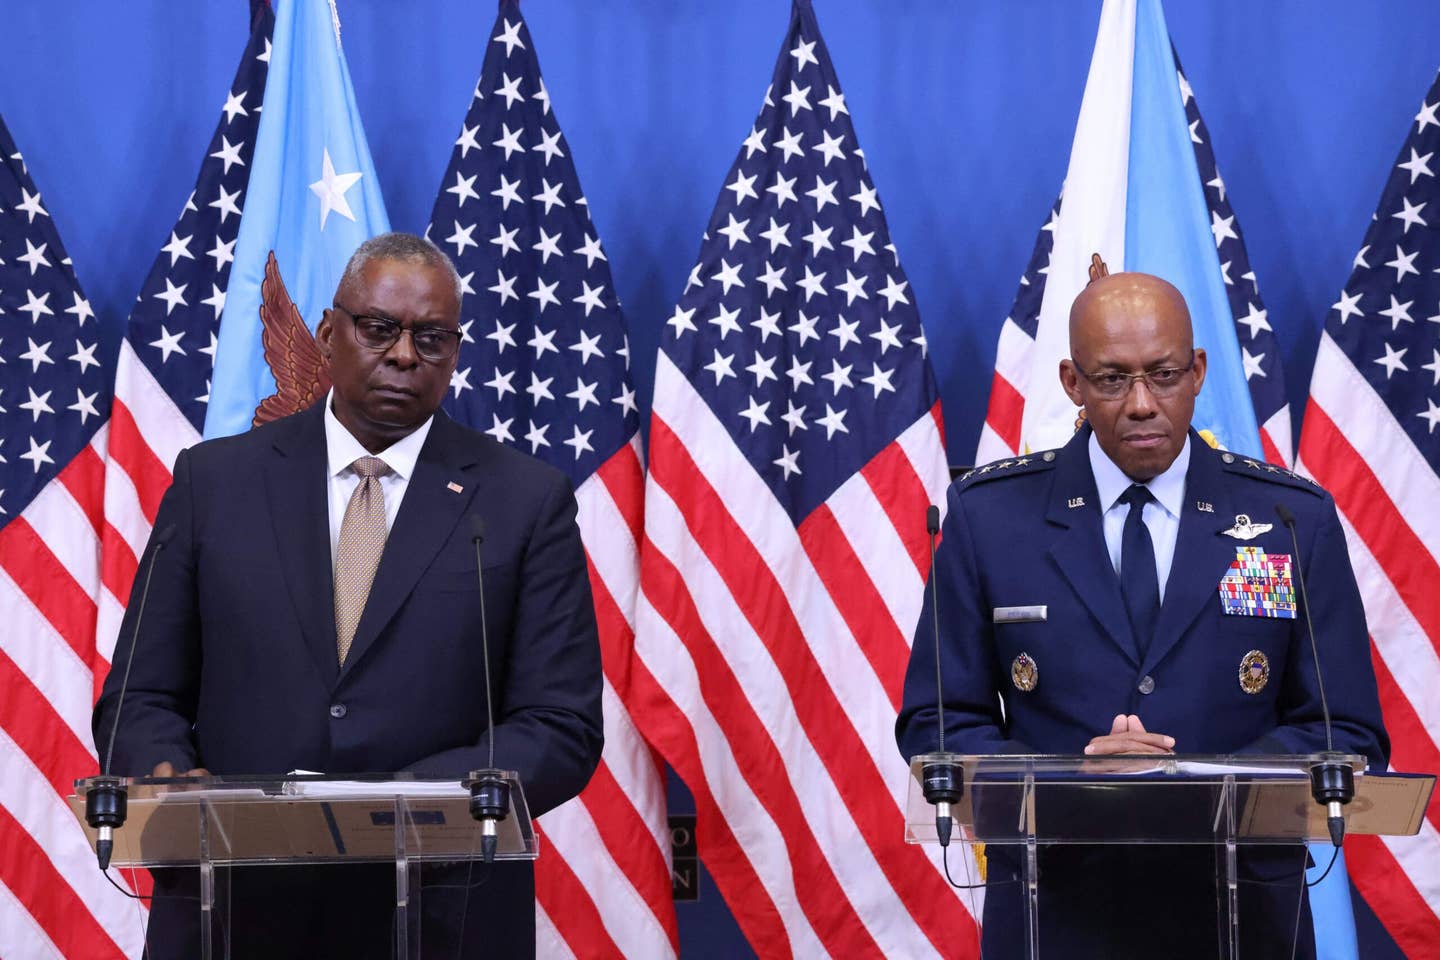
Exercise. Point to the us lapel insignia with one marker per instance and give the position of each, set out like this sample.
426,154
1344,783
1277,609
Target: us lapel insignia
1245,530
1024,673
454,487
1204,507
1254,672
1074,502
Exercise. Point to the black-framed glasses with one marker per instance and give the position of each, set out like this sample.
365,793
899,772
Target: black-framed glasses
380,334
1162,381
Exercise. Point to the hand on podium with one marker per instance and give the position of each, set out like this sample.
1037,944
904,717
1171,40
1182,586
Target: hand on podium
1128,735
167,769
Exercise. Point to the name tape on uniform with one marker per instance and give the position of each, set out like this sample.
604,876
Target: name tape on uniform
1031,614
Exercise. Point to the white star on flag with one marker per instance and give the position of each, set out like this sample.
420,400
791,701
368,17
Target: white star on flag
331,188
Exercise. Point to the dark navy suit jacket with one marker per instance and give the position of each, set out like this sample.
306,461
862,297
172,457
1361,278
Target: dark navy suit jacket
1028,532
236,667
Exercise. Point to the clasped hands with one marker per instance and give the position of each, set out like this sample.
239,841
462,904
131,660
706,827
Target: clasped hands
1128,735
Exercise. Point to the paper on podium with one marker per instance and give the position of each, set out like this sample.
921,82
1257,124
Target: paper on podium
343,789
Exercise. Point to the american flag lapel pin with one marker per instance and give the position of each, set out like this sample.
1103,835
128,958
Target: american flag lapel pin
454,487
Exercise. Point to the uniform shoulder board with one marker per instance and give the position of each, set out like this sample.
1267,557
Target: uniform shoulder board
1260,470
1009,467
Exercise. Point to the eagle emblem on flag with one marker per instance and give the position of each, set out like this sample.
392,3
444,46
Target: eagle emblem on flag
301,373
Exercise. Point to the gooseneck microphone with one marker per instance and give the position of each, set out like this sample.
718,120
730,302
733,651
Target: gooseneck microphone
489,792
940,780
1332,783
106,799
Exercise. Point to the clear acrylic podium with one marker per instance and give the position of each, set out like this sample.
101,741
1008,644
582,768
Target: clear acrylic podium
215,823
1024,804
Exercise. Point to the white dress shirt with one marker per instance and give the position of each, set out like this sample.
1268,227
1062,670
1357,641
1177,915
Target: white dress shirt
342,449
1162,517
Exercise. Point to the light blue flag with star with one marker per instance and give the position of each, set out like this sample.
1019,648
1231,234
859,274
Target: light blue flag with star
312,198
1170,232
1143,189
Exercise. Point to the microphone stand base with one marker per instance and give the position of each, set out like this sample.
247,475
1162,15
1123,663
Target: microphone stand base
106,806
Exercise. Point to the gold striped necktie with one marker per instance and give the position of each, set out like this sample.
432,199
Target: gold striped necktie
362,540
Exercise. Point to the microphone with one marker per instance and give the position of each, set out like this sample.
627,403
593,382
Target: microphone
1332,783
940,780
106,799
489,792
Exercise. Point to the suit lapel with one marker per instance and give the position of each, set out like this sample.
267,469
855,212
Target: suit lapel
1202,554
1079,549
427,516
295,482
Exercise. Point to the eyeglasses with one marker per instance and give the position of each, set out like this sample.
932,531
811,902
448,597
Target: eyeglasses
1162,381
380,334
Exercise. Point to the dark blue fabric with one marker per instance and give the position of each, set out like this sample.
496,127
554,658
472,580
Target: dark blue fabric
1030,534
1139,582
235,670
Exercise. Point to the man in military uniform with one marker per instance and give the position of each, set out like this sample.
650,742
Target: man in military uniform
1133,592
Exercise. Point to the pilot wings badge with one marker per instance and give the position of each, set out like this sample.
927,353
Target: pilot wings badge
1245,530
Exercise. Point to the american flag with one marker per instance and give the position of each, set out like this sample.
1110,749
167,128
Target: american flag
54,398
163,367
544,366
1260,352
162,374
1369,438
794,446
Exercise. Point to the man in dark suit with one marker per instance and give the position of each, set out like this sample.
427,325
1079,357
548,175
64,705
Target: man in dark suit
1093,599
317,608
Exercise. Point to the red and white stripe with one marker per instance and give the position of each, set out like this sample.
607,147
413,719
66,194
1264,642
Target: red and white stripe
602,883
768,668
147,432
1386,494
1000,436
53,900
1276,439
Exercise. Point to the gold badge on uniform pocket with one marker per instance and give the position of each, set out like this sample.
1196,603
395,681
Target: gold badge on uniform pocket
1254,671
1024,673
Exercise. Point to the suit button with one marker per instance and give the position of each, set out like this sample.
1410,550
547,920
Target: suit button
338,711
1147,685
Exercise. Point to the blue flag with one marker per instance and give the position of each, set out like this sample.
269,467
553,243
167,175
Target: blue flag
1143,190
1168,231
313,198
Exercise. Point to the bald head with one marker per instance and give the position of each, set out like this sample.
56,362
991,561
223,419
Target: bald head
1134,369
1123,299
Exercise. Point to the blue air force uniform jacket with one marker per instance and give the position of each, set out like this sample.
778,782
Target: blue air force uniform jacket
1027,533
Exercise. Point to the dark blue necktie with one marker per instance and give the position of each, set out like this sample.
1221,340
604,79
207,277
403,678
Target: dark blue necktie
1139,582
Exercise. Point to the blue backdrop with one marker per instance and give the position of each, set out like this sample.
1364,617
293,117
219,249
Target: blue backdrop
965,112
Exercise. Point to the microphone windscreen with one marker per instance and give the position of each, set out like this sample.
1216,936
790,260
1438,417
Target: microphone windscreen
163,537
1286,517
932,519
477,527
